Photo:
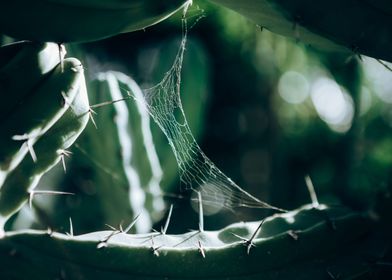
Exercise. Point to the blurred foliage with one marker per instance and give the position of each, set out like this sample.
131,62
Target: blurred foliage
266,109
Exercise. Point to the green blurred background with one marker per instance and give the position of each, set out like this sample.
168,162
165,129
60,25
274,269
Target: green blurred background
266,109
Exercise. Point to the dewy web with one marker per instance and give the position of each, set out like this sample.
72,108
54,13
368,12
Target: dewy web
197,172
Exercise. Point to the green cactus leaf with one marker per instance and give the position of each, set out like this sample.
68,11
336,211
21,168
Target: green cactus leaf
66,21
284,243
358,27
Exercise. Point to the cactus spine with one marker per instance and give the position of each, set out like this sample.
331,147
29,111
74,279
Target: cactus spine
307,235
46,121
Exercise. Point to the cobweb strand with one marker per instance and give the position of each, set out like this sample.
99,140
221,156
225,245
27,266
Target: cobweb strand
197,172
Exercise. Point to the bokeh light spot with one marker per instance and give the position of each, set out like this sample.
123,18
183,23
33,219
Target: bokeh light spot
293,87
333,105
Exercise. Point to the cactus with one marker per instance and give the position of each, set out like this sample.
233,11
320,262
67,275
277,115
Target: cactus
124,141
45,114
127,178
301,240
325,24
32,64
272,248
66,21
50,111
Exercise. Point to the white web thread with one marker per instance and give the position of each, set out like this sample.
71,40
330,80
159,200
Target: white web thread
197,172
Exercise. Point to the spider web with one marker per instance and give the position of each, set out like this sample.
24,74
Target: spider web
197,172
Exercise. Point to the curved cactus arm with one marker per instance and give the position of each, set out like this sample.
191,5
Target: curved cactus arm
283,243
26,74
67,88
359,27
40,109
86,20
